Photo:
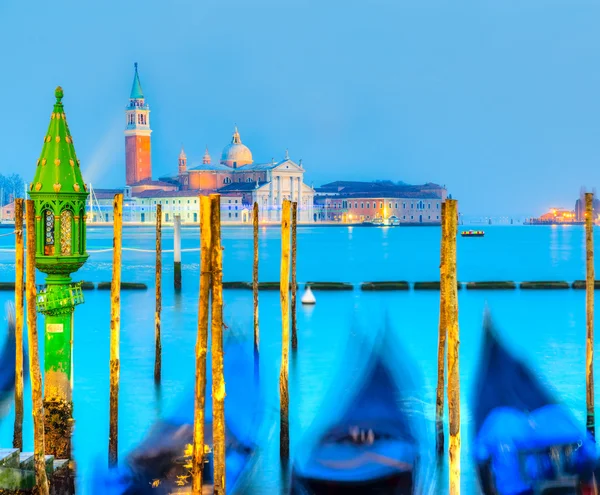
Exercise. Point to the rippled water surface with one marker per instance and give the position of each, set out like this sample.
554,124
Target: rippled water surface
548,327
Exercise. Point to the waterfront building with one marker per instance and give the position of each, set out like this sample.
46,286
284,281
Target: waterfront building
235,176
580,206
351,202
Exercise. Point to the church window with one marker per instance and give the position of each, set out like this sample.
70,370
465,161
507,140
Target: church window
368,205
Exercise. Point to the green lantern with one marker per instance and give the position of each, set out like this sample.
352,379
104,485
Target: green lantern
59,195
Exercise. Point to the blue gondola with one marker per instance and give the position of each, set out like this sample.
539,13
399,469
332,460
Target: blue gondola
371,445
155,466
525,441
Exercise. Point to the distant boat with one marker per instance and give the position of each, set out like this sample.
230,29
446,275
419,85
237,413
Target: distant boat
525,441
472,233
370,447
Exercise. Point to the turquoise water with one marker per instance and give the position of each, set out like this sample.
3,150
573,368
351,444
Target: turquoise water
549,327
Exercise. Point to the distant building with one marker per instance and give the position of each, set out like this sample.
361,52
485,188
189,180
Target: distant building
351,202
234,176
7,212
557,216
580,208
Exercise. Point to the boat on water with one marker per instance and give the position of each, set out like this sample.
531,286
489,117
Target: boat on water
159,464
526,442
472,233
372,442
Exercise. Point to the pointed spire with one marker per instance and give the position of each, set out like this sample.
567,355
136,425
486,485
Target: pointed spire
58,167
182,153
206,157
136,88
287,154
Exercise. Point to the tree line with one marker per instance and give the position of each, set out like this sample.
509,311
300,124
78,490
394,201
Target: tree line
11,187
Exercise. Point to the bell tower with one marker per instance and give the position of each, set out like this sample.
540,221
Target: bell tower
138,158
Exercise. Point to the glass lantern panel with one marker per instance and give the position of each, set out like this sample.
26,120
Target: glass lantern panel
66,221
48,233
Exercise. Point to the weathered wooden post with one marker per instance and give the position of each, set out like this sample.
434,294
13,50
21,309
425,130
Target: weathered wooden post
589,307
284,290
19,313
439,399
202,343
453,343
115,329
59,195
294,226
255,289
218,385
158,305
34,359
177,251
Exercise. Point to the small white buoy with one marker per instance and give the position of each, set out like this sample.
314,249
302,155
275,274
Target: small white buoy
308,297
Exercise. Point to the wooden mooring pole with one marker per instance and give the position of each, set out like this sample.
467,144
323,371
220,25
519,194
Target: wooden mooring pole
19,312
218,385
115,329
589,309
294,326
39,447
177,252
158,299
284,290
439,398
202,343
255,290
453,343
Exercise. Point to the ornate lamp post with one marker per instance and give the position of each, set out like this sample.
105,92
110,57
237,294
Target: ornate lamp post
59,195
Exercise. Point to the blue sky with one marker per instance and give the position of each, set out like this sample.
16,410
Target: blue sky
497,99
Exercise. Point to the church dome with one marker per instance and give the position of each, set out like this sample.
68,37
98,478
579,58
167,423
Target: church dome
236,154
